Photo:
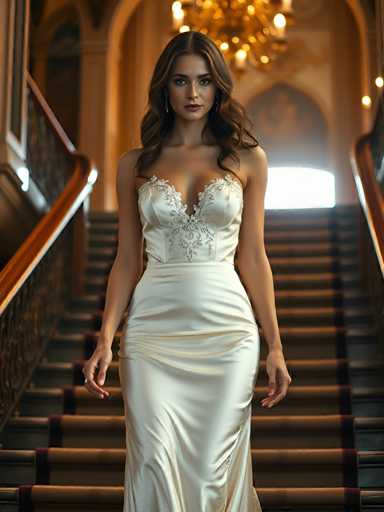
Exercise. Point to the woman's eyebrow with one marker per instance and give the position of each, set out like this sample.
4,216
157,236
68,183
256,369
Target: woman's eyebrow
186,76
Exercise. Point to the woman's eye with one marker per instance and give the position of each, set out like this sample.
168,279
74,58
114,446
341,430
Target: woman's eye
206,80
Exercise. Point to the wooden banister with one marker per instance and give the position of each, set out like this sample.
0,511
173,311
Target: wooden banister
367,157
369,192
22,264
48,268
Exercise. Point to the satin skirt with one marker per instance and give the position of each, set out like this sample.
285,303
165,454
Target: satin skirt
188,363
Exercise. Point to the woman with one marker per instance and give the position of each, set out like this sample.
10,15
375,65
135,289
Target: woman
189,350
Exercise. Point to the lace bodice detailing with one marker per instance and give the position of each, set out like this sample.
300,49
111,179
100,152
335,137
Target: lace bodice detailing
210,232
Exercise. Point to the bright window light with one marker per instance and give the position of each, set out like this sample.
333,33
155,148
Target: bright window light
299,187
23,174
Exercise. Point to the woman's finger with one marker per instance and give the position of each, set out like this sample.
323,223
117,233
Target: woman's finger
94,388
279,392
102,373
90,383
273,400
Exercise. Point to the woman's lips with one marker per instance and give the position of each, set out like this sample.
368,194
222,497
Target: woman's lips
192,108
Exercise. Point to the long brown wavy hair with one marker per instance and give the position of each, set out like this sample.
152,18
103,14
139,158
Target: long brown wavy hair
226,122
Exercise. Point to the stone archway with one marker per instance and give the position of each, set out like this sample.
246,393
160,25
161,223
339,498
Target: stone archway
291,127
120,18
41,38
134,28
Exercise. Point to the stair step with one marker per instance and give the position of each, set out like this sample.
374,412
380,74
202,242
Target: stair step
268,431
287,263
98,268
368,401
322,342
284,298
87,303
299,400
281,265
348,297
271,226
322,315
79,321
98,284
369,433
101,254
339,211
293,236
271,221
110,498
9,499
302,371
102,216
288,250
371,469
372,499
105,466
296,316
107,432
320,248
363,373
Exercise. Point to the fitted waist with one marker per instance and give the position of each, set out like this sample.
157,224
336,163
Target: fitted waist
186,270
189,264
189,296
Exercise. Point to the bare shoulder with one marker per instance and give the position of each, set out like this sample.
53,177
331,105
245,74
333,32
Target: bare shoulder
128,159
255,164
126,175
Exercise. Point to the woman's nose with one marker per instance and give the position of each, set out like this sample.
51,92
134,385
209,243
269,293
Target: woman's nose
193,90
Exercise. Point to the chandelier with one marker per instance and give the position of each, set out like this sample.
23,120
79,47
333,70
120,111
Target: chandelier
248,32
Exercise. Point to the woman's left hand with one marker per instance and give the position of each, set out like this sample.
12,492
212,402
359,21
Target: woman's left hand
279,378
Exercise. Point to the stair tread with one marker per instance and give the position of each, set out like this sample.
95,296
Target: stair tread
114,494
318,364
111,455
286,310
302,389
111,495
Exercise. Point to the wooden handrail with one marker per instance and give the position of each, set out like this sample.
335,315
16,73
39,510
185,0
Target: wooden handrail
51,118
369,192
80,185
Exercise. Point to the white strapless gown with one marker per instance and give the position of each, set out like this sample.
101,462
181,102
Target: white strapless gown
189,358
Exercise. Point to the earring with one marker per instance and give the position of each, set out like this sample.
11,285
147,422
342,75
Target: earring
166,104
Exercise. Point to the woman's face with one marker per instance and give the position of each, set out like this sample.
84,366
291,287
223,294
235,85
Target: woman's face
191,83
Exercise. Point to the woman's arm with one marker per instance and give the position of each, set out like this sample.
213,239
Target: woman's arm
252,262
128,264
125,272
255,271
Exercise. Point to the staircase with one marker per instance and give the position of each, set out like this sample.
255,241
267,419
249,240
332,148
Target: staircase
320,449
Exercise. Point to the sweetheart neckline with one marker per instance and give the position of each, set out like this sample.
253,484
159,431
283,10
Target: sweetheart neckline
196,207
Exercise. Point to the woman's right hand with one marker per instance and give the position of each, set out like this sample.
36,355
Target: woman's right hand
101,357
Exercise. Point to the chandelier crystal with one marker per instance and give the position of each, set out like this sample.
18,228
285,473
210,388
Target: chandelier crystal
248,32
